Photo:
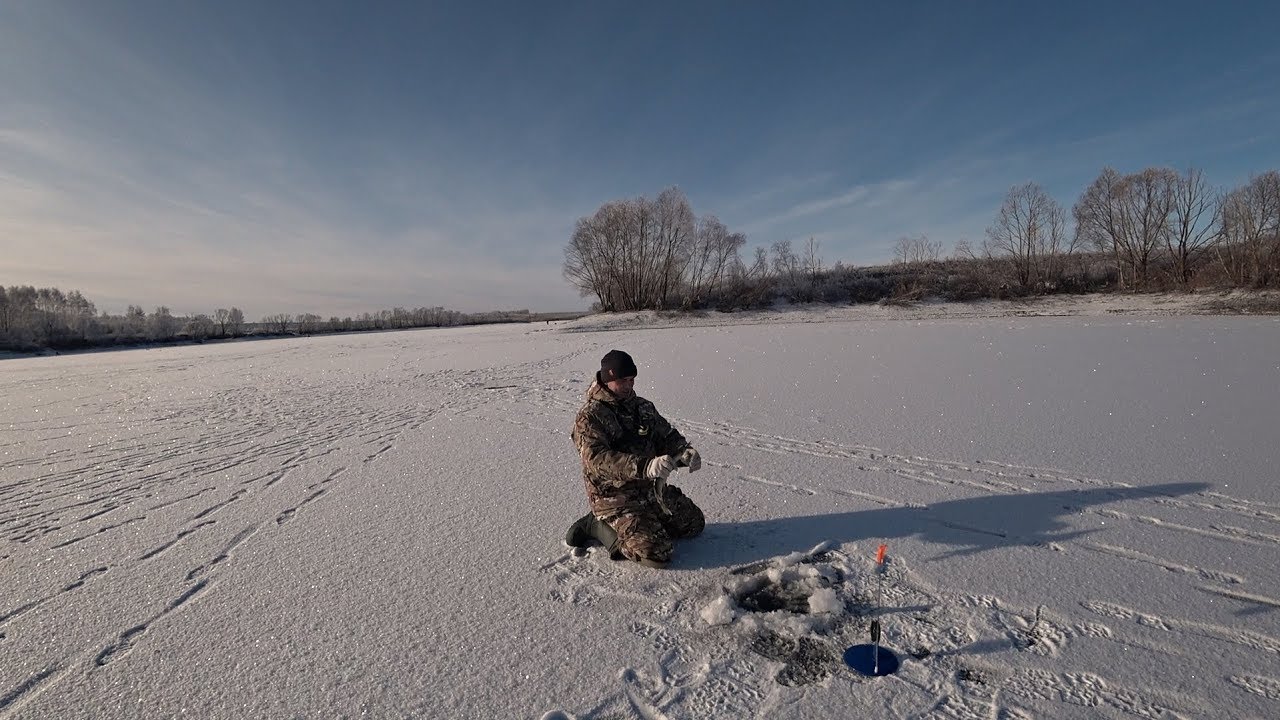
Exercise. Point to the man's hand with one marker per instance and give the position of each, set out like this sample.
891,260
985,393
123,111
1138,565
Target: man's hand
660,467
691,459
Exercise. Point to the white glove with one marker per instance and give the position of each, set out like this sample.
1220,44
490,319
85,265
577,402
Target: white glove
691,459
660,467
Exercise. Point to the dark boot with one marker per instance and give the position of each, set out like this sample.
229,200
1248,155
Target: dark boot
579,535
587,529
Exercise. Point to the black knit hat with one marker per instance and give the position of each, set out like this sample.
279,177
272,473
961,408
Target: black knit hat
615,365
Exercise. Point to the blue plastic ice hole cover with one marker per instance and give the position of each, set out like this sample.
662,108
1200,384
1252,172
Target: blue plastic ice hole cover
862,658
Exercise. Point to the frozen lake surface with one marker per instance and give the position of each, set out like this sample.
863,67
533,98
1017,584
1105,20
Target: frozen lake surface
1082,517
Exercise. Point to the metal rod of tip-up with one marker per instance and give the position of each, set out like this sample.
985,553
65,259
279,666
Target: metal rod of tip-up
871,659
875,624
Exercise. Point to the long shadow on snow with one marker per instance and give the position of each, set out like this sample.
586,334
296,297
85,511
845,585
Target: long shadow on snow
970,526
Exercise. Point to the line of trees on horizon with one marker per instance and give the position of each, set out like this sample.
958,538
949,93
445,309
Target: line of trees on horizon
34,319
1155,229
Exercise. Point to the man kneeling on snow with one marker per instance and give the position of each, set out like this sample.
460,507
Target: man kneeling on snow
628,450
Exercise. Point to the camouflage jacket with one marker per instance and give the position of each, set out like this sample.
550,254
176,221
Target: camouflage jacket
616,438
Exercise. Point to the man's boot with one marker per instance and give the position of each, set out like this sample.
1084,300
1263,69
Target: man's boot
586,529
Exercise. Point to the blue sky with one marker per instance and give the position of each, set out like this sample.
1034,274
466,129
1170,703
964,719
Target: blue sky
338,158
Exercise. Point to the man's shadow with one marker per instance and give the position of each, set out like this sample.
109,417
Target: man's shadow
969,526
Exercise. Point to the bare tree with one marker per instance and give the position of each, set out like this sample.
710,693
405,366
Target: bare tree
161,324
631,225
235,321
199,327
1029,229
280,323
640,253
50,305
135,321
902,250
221,317
1098,217
1248,244
919,249
714,253
812,261
927,250
309,323
594,256
1148,205
786,265
963,250
79,314
755,285
1194,224
759,265
21,313
674,241
789,273
1128,216
6,314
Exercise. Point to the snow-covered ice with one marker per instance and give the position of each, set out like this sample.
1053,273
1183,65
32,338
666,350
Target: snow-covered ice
1082,519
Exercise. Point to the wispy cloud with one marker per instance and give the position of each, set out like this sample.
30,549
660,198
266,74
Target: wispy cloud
867,195
782,186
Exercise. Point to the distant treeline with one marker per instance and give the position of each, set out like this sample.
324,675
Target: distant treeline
1157,229
34,319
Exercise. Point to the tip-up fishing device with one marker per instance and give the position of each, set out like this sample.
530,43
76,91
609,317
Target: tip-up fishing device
872,659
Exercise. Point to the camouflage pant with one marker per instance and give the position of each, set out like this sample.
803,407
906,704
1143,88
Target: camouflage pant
645,534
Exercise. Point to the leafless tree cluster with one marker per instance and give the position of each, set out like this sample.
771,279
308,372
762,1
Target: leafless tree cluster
1030,231
796,277
1176,221
278,323
918,249
42,316
34,319
651,254
229,322
712,261
1127,216
400,318
46,318
1156,227
1195,218
394,319
199,327
786,264
746,286
161,324
1248,243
